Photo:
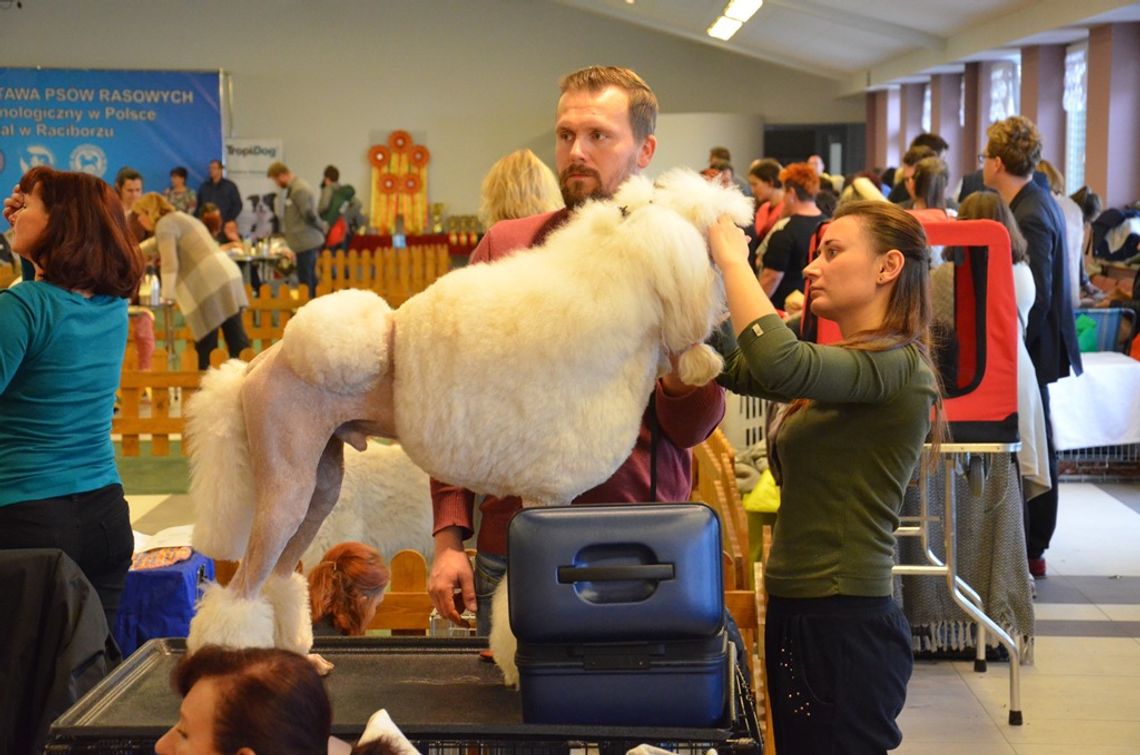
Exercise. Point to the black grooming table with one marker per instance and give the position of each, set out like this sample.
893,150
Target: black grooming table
437,690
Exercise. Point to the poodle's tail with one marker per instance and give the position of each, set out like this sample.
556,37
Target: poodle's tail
341,341
221,478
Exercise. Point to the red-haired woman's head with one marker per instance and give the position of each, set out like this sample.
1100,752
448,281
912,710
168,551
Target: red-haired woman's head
85,244
802,179
347,586
260,699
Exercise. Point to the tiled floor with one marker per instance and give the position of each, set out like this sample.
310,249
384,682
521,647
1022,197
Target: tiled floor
1082,695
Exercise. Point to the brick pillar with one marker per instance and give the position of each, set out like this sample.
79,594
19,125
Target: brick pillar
910,115
1112,147
973,135
945,95
1042,87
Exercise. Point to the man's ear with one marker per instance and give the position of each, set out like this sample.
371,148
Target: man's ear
890,265
645,154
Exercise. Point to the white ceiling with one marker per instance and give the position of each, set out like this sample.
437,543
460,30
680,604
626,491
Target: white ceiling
873,43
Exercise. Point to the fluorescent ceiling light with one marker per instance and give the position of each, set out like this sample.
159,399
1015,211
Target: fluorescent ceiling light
742,10
723,28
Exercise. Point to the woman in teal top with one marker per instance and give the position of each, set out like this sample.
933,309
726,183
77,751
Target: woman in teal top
838,649
61,352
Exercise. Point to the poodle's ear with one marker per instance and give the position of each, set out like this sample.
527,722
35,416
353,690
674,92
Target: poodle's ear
701,201
636,192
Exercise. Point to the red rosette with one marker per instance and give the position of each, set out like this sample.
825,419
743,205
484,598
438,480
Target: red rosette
387,183
420,156
410,184
378,156
400,141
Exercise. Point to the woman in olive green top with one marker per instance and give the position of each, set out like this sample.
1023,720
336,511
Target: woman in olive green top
838,648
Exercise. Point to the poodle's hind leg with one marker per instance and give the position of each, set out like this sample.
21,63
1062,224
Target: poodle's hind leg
286,589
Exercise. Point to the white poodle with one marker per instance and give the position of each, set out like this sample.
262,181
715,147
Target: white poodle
527,377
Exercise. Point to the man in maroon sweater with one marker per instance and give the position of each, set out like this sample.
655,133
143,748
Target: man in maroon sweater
604,131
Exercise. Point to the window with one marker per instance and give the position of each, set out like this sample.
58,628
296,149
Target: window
962,103
1075,102
926,108
1005,89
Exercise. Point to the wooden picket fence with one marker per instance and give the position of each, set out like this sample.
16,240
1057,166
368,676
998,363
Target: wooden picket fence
395,274
265,318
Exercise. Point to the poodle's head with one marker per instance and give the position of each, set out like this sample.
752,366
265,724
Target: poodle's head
701,201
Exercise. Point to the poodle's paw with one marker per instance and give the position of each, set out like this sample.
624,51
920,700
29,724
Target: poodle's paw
223,618
502,639
292,622
322,666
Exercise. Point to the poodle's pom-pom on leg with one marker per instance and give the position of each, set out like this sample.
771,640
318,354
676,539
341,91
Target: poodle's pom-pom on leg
221,480
699,365
502,639
292,623
340,341
225,619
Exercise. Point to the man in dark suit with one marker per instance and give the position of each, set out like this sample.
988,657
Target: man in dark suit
1012,151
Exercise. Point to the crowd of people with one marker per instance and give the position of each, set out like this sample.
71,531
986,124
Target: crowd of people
866,404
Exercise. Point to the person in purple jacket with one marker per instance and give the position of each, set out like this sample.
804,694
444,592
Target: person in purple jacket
604,134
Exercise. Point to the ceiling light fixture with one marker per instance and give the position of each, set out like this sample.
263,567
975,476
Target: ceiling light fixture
723,28
742,10
734,16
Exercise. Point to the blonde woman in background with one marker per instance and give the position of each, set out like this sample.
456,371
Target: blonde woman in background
1074,230
204,282
517,186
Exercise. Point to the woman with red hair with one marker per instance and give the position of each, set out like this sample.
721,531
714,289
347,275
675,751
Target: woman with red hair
248,700
61,353
345,589
783,255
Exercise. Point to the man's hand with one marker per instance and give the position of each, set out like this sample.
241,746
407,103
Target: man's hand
450,568
672,382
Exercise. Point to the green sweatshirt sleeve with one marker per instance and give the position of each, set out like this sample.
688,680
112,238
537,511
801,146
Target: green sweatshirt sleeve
770,362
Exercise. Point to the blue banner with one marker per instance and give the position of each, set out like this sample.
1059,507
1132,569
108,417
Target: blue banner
100,121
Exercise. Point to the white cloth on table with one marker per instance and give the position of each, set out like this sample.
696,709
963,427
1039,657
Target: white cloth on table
1099,408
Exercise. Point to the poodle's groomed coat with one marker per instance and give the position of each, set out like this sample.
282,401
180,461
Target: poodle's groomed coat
527,377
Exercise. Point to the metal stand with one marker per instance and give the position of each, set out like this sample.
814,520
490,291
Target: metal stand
964,596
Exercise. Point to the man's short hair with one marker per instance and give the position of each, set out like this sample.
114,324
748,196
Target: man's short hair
1017,142
180,171
916,154
219,163
332,173
934,141
276,169
126,174
642,100
720,153
720,166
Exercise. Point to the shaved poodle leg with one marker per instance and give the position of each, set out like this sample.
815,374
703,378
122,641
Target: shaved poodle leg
330,475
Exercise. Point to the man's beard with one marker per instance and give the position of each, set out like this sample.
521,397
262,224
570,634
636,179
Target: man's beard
572,195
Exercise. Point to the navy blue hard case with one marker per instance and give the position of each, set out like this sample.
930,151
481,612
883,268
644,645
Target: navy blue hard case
619,615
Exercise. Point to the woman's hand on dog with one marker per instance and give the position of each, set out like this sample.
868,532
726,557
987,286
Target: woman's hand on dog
727,243
451,569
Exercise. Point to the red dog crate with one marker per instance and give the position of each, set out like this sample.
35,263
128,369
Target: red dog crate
981,404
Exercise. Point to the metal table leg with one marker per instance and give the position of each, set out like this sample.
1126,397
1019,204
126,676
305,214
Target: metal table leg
963,595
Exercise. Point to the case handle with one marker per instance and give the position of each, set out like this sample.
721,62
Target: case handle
571,574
